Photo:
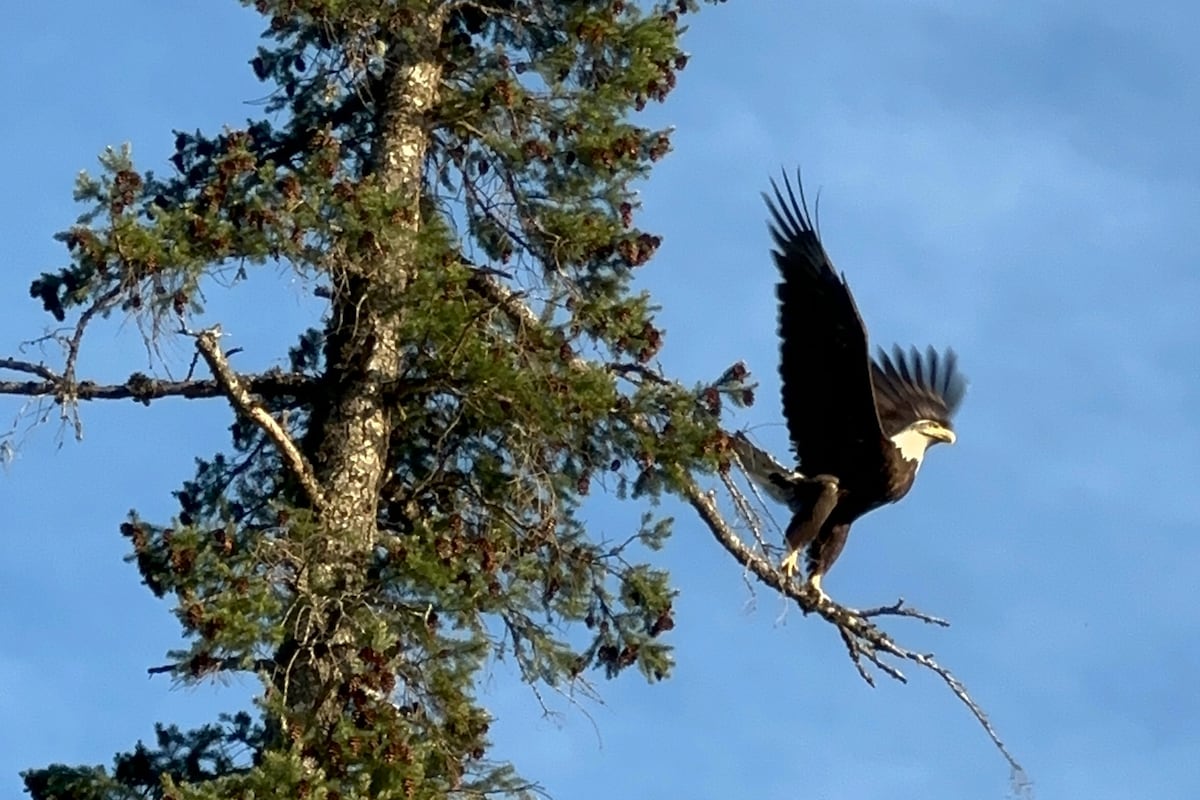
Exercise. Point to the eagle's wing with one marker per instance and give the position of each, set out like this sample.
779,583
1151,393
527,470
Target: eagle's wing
910,386
825,365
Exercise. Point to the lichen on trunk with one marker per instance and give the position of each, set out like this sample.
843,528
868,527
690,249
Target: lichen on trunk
363,348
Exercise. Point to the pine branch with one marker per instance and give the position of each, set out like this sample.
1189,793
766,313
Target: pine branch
207,342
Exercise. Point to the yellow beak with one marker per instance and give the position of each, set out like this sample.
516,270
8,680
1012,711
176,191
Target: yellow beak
940,434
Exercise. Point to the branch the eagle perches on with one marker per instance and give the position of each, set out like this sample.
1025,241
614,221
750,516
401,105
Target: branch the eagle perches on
865,641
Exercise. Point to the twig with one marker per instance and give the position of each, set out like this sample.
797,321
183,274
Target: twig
102,303
192,366
642,371
898,609
207,342
67,397
742,506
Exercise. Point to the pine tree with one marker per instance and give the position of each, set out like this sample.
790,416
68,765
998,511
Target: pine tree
400,505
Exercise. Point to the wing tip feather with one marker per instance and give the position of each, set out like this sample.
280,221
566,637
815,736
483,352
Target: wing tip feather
931,373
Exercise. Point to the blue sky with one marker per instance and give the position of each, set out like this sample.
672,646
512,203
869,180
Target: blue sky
1018,180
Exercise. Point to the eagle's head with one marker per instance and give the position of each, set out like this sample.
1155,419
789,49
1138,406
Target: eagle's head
934,431
915,439
916,395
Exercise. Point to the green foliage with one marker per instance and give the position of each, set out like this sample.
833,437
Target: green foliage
196,756
526,375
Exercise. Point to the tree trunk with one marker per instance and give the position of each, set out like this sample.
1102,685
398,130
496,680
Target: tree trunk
363,351
349,432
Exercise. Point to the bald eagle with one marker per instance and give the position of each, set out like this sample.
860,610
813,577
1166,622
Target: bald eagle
859,426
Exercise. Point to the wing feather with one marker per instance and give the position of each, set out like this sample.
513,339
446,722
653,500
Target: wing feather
910,386
825,365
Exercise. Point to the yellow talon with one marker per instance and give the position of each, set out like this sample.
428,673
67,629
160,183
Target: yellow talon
791,564
815,582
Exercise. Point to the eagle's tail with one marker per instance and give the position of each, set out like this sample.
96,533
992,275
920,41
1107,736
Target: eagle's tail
777,481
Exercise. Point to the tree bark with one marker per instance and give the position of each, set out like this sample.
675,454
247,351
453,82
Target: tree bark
363,351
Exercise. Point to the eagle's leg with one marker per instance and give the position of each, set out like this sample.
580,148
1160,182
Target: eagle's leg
813,501
825,550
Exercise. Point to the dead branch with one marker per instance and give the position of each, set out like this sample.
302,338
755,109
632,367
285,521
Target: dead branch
101,305
213,666
642,372
484,283
40,370
208,343
863,640
143,388
898,609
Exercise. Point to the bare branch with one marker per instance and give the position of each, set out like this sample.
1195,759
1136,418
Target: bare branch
223,665
28,367
144,388
207,342
66,396
805,596
898,609
103,303
643,372
863,639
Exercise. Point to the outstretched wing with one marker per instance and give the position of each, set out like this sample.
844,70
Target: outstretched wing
825,365
910,386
